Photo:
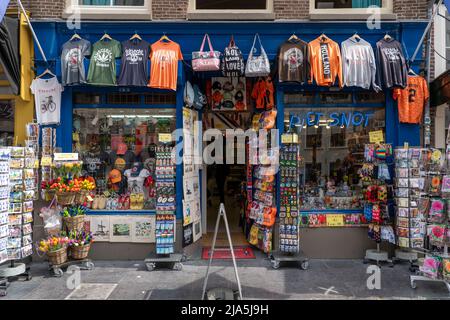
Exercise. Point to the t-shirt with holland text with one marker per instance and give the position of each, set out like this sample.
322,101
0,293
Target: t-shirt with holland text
102,69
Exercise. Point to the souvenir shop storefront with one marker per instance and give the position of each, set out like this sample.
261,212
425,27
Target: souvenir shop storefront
122,132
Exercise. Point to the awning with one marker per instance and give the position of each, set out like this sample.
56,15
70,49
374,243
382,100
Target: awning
9,52
440,89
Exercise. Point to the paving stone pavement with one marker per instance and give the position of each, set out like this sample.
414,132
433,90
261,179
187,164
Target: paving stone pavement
325,279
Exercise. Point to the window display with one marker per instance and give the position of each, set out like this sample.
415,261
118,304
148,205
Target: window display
119,153
333,153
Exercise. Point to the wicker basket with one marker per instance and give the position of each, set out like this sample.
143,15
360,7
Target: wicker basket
81,196
80,252
57,257
65,198
74,223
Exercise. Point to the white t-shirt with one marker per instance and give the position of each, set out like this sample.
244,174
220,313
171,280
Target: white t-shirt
47,100
136,184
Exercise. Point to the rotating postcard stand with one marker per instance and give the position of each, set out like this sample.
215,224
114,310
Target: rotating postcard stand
289,242
165,227
221,293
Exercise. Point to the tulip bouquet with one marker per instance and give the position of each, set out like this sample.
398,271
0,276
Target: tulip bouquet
80,238
68,170
53,244
73,211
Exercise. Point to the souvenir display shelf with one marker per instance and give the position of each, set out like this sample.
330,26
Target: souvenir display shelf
21,192
165,212
435,203
289,242
407,190
375,177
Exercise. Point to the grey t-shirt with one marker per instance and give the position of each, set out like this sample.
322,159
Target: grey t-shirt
72,57
135,55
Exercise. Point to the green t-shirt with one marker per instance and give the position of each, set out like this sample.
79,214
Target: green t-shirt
102,70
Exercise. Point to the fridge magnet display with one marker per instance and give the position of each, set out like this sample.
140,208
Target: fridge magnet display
197,228
228,94
188,235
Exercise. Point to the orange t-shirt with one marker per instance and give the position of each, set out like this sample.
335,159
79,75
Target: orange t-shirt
411,100
164,64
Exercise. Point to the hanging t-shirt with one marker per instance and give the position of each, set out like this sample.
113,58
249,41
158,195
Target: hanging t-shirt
391,64
293,61
135,56
164,65
72,61
411,100
358,64
102,70
47,100
136,183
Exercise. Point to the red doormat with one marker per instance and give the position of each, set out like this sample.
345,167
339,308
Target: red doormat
225,253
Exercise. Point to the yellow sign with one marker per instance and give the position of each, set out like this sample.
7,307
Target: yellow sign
376,136
66,156
335,220
286,138
165,137
46,161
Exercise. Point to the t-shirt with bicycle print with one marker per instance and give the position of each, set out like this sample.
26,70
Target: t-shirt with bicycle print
47,100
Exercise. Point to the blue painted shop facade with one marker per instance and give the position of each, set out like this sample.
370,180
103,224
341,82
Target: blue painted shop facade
189,36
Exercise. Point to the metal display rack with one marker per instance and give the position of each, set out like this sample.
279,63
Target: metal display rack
377,254
443,252
404,253
289,242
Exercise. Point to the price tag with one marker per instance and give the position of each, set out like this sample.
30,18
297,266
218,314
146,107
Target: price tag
165,137
89,198
376,136
286,138
335,220
66,156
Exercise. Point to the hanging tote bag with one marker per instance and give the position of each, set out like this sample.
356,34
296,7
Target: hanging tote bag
257,66
232,61
206,60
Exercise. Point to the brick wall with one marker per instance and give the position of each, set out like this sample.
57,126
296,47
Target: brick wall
291,9
169,9
176,9
410,9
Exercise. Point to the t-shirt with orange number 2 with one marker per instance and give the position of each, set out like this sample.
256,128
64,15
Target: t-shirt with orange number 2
164,64
411,100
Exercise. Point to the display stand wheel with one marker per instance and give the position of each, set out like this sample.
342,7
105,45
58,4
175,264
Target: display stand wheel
222,294
4,284
304,265
275,264
89,265
377,256
171,262
413,284
58,272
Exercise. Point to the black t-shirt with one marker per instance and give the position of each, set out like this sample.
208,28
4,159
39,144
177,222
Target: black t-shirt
135,57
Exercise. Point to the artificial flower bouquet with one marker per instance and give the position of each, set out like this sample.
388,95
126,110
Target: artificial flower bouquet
55,248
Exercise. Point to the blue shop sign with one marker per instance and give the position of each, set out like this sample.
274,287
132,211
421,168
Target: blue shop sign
333,119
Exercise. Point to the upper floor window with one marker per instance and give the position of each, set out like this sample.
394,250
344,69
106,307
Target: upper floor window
441,41
111,2
359,9
231,10
109,9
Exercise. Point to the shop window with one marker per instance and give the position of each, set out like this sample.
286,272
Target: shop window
299,98
441,41
160,98
123,98
112,142
350,9
109,9
370,97
86,98
231,9
335,97
6,123
332,146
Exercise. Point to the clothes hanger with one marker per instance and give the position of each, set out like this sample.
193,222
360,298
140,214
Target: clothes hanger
47,71
387,36
323,37
164,37
411,72
356,36
75,36
136,36
293,37
106,36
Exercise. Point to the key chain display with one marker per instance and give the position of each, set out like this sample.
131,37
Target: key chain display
165,172
289,198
